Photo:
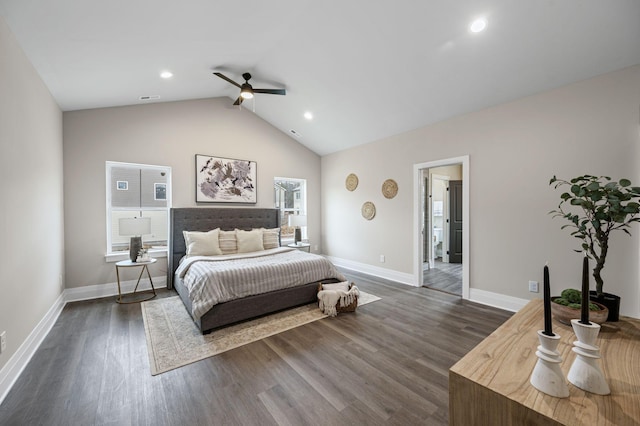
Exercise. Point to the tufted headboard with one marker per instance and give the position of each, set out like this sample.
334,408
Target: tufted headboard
206,219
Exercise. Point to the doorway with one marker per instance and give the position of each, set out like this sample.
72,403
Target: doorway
437,214
444,221
441,223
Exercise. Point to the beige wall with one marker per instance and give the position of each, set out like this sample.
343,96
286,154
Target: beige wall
514,149
31,261
167,134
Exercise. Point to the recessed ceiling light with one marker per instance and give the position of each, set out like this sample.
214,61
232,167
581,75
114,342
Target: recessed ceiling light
166,74
478,25
308,115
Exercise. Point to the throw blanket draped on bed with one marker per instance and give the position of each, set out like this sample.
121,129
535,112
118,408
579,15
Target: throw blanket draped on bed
216,279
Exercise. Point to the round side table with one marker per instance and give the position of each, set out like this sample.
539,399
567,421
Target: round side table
301,246
145,267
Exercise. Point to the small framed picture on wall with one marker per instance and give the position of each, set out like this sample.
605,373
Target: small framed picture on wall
160,191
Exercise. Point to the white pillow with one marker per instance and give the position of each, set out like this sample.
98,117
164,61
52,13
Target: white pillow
343,286
202,243
249,241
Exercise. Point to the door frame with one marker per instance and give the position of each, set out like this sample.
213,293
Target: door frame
418,237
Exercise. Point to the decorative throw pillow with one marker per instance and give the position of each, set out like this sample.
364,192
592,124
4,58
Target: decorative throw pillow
249,241
202,243
271,238
228,243
343,286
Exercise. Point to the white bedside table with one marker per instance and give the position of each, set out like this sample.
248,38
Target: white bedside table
145,266
301,246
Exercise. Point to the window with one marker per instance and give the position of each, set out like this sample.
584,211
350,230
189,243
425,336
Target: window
138,190
290,196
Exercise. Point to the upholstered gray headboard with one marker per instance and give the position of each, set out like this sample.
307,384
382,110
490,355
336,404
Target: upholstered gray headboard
206,219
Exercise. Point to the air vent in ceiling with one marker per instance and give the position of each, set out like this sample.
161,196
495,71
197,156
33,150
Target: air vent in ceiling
296,134
149,98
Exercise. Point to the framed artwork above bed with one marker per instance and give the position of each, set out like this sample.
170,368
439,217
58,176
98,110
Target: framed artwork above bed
225,180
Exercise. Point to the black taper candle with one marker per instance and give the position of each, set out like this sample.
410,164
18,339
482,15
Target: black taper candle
547,303
584,306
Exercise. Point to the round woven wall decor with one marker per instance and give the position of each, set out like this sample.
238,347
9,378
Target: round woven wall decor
368,210
352,182
389,188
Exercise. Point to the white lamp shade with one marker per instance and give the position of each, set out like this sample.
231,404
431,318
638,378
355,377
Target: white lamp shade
134,226
297,220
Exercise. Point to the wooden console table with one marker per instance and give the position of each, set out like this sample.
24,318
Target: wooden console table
490,385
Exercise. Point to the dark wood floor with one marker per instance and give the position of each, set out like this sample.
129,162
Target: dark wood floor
445,277
386,364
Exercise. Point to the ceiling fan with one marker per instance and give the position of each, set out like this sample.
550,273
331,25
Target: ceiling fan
246,90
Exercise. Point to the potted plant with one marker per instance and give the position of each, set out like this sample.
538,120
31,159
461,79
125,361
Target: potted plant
603,206
567,307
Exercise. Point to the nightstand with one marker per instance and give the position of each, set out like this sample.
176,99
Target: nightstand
145,266
301,246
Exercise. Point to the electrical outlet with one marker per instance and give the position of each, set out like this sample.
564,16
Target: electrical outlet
533,286
382,258
3,341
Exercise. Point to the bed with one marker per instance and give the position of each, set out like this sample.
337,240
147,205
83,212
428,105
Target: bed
247,307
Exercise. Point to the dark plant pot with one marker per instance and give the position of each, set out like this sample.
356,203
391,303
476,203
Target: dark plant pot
611,301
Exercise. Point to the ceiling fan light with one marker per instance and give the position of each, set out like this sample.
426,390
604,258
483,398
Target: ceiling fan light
246,91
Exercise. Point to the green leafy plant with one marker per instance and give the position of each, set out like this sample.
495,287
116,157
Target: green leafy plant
605,205
573,298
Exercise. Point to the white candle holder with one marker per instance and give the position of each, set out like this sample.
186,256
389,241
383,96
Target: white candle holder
585,372
547,376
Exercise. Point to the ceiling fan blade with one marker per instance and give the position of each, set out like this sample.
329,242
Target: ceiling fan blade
271,91
224,77
238,101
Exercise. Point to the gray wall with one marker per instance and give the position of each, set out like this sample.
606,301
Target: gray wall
31,253
166,134
514,149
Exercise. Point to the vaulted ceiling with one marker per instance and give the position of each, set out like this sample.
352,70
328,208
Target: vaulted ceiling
364,69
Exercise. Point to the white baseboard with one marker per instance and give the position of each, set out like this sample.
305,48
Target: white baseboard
497,300
376,271
105,290
17,363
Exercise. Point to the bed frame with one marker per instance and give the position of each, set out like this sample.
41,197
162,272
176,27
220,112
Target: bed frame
205,219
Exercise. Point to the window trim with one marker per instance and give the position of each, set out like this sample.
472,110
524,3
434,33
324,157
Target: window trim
117,257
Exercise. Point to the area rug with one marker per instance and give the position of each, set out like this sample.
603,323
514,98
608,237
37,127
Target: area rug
173,340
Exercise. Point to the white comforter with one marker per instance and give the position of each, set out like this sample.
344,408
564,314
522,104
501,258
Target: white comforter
216,279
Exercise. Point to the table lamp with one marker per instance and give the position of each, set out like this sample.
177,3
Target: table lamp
298,221
135,227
